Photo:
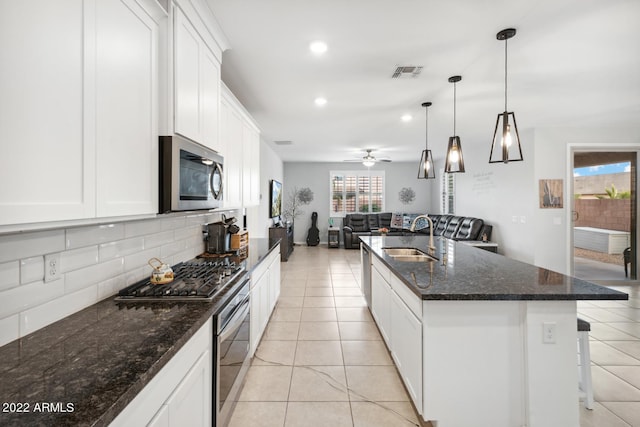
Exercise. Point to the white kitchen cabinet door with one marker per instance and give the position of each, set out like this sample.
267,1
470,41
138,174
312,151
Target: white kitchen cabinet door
381,304
197,85
210,100
259,302
274,280
47,166
190,403
181,393
126,109
232,133
406,347
250,166
187,68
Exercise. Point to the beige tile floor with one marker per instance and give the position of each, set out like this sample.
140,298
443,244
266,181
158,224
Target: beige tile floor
322,362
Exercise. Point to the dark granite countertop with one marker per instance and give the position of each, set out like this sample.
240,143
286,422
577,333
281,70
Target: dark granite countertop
98,359
463,272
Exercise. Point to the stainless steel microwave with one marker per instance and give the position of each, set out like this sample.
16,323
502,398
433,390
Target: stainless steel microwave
191,176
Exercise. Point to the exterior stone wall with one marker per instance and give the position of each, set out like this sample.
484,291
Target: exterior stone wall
610,214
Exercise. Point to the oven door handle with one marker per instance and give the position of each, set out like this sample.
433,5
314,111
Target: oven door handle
234,323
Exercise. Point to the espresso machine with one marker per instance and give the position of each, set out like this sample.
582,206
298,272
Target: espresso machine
218,235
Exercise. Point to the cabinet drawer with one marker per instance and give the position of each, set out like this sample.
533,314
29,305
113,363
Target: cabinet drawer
409,298
382,268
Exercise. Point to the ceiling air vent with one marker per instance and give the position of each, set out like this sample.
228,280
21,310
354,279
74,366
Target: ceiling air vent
406,71
283,142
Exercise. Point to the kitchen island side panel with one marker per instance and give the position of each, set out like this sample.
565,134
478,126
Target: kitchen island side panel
489,357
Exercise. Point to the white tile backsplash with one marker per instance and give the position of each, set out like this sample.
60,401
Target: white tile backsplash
96,262
158,239
78,258
9,329
23,297
120,248
94,235
141,228
25,245
38,317
31,269
92,275
9,275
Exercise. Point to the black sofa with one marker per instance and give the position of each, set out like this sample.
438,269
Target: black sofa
449,226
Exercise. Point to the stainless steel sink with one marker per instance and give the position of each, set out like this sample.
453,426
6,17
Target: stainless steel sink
408,255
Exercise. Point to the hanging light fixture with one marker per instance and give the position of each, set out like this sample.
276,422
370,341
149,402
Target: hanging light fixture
506,140
454,161
425,169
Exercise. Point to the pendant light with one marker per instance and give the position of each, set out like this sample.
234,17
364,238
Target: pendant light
425,169
454,162
506,140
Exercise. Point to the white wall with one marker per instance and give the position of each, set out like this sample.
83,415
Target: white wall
316,177
501,193
271,167
551,240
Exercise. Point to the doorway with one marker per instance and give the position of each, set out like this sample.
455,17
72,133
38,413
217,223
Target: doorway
603,214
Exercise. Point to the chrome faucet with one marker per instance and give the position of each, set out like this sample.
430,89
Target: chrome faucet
432,248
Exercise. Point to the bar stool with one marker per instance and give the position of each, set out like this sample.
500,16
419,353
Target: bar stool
585,386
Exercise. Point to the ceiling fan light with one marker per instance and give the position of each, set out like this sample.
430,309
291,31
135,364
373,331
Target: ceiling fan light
368,162
506,140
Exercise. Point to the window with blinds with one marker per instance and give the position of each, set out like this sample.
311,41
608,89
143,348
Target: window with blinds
356,192
448,184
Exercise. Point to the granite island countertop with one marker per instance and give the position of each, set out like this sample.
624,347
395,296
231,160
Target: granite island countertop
94,362
463,272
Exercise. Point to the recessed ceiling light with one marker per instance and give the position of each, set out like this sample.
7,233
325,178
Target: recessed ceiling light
406,118
320,102
318,47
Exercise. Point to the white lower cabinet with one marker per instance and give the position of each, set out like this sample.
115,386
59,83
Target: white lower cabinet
394,313
180,394
265,290
381,304
406,349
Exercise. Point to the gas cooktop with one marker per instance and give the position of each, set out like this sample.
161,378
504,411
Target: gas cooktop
196,280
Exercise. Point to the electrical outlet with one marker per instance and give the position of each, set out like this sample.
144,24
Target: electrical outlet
549,332
51,267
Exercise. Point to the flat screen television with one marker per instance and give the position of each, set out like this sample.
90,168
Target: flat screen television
276,199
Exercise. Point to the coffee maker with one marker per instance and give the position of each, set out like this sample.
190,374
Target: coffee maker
218,235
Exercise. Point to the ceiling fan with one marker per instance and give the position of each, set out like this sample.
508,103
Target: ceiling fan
369,160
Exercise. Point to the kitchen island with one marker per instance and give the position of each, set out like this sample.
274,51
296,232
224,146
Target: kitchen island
480,339
91,368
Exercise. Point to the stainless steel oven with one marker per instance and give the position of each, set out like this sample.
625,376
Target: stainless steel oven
191,176
231,355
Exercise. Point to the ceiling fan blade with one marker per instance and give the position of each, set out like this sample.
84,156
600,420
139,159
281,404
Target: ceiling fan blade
384,160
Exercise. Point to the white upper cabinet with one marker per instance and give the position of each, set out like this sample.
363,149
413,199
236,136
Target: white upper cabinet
196,85
126,109
47,166
241,152
231,135
78,110
250,166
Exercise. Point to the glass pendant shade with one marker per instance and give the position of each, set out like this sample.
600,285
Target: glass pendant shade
506,146
454,162
506,141
425,168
